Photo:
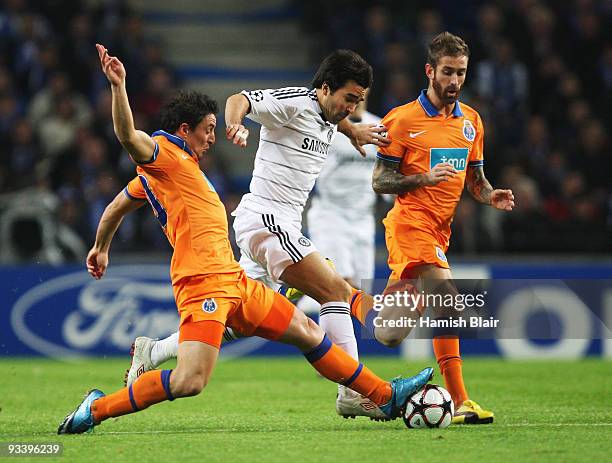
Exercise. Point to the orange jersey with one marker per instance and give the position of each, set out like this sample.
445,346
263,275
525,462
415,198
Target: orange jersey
188,209
421,137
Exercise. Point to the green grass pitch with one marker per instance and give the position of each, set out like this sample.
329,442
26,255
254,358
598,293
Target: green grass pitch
276,409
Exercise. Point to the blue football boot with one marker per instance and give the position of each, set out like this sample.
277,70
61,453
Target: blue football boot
81,420
403,388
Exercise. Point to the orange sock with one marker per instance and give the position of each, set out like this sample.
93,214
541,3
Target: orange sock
152,387
361,304
449,360
336,365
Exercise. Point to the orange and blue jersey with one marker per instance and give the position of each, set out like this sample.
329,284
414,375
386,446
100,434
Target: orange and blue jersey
422,137
187,207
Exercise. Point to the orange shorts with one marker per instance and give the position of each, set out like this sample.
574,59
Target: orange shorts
233,300
409,247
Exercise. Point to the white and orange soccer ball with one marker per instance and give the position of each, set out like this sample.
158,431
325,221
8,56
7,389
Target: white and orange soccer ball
430,407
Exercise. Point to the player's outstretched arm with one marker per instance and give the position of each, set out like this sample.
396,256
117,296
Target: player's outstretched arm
386,178
139,144
236,107
97,258
364,134
480,188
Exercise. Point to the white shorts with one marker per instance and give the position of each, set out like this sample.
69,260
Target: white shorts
348,242
269,245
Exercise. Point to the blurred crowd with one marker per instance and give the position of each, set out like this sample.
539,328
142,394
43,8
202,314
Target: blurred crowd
540,75
55,111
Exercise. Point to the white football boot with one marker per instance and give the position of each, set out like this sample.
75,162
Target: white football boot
350,404
141,359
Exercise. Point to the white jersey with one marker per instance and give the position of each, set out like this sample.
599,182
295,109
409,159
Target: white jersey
345,181
293,145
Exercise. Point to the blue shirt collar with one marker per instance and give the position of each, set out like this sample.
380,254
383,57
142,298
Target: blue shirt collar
431,110
178,141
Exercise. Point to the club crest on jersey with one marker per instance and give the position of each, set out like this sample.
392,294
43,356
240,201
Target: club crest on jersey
440,254
304,241
330,135
209,305
469,132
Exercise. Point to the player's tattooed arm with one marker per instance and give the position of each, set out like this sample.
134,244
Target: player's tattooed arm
477,184
480,188
386,178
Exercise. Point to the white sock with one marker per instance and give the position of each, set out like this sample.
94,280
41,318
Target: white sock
164,349
335,320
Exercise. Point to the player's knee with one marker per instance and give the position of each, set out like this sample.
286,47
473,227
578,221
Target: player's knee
307,334
390,337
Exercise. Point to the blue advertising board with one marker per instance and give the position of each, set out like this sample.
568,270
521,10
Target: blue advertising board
62,312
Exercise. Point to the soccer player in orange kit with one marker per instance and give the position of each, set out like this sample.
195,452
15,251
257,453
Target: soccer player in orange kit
436,148
210,288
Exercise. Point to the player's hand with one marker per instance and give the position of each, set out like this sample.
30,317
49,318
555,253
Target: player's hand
97,261
368,134
111,66
440,173
502,200
237,134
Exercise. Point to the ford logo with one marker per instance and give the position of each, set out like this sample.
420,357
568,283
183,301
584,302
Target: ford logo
75,316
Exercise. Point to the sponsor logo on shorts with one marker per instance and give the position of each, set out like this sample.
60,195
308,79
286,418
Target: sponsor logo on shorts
209,305
440,254
469,132
304,241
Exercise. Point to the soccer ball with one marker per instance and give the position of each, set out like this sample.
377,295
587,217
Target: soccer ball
430,407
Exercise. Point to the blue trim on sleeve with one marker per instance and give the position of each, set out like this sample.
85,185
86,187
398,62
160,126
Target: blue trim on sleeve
165,379
319,351
130,197
153,158
132,401
475,163
355,375
384,157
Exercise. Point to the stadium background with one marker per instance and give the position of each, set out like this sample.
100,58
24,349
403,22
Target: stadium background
540,75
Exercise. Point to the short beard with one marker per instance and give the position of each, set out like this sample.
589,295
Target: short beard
439,91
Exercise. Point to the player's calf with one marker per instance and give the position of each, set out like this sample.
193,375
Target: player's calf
187,384
195,364
316,278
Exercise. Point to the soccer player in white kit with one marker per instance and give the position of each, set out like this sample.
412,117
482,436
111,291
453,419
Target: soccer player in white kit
341,216
298,126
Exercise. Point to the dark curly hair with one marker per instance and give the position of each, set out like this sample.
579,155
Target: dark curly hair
340,67
188,107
